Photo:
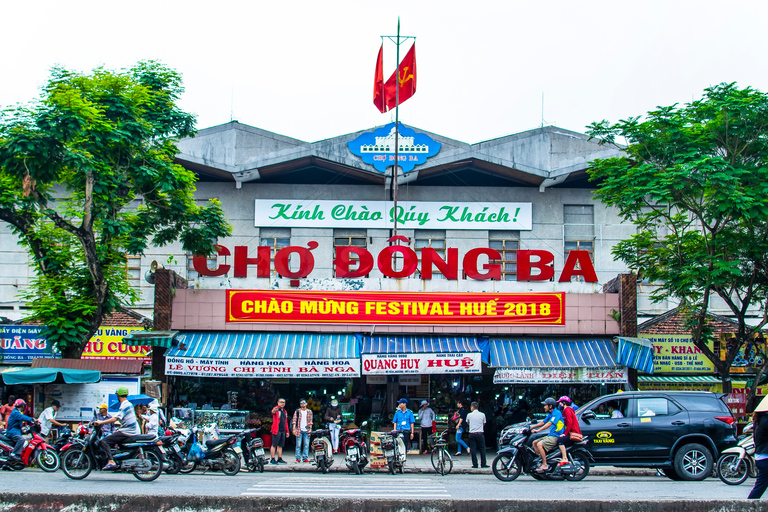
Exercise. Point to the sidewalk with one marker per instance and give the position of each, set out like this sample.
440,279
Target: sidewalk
422,464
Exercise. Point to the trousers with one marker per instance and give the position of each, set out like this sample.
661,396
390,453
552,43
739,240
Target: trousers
302,440
335,428
115,438
761,483
477,444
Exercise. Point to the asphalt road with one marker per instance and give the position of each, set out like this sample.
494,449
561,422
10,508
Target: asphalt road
376,485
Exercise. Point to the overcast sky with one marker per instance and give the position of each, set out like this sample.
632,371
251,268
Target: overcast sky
305,69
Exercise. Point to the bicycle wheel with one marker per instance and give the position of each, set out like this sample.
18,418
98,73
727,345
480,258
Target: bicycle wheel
447,462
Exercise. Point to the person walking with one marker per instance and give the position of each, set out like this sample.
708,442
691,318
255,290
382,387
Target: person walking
47,419
333,417
301,424
404,421
461,423
476,421
426,420
760,425
279,432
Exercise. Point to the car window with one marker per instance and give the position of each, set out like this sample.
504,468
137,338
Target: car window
703,403
610,409
655,407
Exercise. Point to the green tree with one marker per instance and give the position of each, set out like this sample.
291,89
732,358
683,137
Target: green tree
87,176
694,181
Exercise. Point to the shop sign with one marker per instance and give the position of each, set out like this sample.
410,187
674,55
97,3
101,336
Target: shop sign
312,307
377,148
262,368
308,213
401,364
375,379
409,380
750,356
356,262
613,375
107,343
678,354
23,343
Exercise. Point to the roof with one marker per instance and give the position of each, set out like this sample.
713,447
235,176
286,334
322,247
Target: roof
123,318
108,366
673,322
262,345
565,353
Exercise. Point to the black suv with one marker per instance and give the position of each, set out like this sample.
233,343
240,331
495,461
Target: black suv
680,432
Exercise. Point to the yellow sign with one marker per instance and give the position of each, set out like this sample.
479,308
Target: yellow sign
108,344
678,354
603,437
645,420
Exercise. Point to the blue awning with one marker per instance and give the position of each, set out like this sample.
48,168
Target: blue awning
636,353
566,353
422,345
262,345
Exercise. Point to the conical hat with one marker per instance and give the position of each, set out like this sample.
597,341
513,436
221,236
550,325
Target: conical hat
763,406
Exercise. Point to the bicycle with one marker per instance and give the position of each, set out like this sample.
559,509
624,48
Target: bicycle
441,459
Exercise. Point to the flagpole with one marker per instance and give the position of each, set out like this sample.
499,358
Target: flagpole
397,127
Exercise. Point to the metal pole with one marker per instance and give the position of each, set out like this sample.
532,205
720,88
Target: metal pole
397,127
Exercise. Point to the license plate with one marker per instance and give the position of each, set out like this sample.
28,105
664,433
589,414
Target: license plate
238,450
260,451
162,450
176,449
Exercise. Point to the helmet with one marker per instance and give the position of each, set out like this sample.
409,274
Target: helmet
19,403
122,391
564,399
549,401
103,406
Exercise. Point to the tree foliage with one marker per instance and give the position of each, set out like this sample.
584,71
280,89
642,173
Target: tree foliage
694,181
87,176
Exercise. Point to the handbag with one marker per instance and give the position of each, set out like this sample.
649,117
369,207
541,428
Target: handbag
576,437
434,427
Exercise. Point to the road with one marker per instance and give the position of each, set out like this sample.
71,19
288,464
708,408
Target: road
376,485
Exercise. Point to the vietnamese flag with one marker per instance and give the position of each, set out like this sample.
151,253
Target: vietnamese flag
407,81
378,83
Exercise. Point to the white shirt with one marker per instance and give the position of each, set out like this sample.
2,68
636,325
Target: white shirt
476,421
303,419
153,422
45,420
426,417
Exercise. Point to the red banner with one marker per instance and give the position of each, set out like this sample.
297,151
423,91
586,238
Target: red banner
299,306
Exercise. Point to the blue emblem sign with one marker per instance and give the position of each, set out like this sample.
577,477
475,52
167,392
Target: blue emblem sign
378,148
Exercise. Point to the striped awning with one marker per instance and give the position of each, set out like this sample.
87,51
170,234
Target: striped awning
636,353
422,345
687,379
566,353
151,338
262,345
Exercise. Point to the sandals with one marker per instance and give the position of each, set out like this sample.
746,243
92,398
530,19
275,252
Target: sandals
542,471
109,466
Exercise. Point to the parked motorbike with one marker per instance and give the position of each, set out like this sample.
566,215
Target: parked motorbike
174,460
140,455
737,464
35,452
253,451
393,446
221,454
322,449
355,450
518,456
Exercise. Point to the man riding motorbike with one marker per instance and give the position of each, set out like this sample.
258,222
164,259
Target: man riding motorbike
553,422
15,421
129,427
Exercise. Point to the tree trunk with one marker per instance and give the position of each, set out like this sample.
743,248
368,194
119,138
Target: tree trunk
755,385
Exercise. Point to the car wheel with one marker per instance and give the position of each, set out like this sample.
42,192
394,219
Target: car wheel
693,462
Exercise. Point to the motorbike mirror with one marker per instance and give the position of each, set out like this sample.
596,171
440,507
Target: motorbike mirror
588,415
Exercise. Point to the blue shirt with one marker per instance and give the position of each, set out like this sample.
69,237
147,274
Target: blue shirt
15,422
558,425
403,420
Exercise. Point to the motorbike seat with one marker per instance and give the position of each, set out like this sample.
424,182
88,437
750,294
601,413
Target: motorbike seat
216,442
142,437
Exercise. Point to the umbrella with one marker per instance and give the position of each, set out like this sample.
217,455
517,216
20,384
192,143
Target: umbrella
50,375
134,399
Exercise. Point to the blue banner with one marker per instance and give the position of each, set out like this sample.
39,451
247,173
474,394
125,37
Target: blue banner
23,343
378,148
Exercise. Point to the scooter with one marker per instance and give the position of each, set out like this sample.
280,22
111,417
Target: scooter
355,451
174,460
140,455
393,446
253,451
737,464
520,457
218,455
35,451
322,449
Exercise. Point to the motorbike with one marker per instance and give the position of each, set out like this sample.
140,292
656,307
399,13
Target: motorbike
393,446
253,451
355,451
140,455
737,464
518,456
174,460
35,452
221,454
322,449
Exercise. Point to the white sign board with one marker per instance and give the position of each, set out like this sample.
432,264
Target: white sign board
615,375
401,364
79,401
262,368
295,213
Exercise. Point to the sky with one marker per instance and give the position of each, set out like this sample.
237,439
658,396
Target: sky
305,69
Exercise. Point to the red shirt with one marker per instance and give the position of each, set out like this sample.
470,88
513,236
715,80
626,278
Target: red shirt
571,423
5,411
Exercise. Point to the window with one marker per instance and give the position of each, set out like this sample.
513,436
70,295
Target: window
133,266
213,264
578,232
612,409
655,407
276,238
507,243
434,239
349,238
